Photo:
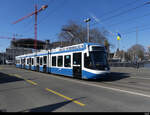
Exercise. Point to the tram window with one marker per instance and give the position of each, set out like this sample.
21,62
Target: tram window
60,61
67,61
24,61
53,60
77,58
21,61
17,61
41,61
45,59
32,61
37,60
28,61
87,62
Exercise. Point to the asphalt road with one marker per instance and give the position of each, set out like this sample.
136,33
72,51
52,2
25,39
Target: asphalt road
28,91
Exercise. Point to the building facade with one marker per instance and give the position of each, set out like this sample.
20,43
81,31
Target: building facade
11,53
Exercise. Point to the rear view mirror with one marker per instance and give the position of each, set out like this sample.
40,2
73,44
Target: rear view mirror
87,54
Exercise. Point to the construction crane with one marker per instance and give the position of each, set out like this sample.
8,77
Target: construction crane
35,25
4,37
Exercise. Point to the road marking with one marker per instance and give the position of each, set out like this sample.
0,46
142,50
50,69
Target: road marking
68,98
11,74
4,68
104,87
33,83
140,78
17,76
29,81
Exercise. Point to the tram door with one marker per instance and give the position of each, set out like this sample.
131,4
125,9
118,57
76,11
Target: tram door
77,65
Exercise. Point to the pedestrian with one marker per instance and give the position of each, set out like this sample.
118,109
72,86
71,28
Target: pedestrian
137,65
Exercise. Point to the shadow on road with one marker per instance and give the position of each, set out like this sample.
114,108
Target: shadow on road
113,76
49,108
5,78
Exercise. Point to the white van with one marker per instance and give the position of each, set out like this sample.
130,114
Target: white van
9,62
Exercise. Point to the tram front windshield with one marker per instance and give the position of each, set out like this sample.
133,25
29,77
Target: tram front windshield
96,60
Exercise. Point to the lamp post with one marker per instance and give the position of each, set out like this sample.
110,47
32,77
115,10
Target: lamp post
88,28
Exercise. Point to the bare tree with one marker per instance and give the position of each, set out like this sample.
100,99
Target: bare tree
75,33
136,51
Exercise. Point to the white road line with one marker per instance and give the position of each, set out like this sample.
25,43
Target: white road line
104,87
140,78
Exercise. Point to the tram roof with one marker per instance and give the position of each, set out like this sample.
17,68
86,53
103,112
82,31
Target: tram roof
78,47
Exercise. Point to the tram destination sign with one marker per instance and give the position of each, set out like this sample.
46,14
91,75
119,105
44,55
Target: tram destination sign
71,48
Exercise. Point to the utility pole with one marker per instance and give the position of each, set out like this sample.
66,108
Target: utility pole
136,35
118,44
135,56
35,28
88,29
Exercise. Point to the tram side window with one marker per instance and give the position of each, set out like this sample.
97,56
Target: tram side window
77,59
53,60
41,61
17,61
32,61
37,60
21,61
60,61
87,62
67,61
24,61
28,61
45,59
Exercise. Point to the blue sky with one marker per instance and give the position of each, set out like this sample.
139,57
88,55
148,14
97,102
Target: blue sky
113,15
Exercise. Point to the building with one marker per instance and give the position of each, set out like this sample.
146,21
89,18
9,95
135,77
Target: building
11,53
23,46
2,58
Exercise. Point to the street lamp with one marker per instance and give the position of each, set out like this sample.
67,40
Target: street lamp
88,28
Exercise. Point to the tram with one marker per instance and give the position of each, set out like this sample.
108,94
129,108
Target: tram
84,61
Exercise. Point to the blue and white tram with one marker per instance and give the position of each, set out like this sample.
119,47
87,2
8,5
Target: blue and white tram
41,61
18,61
85,61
